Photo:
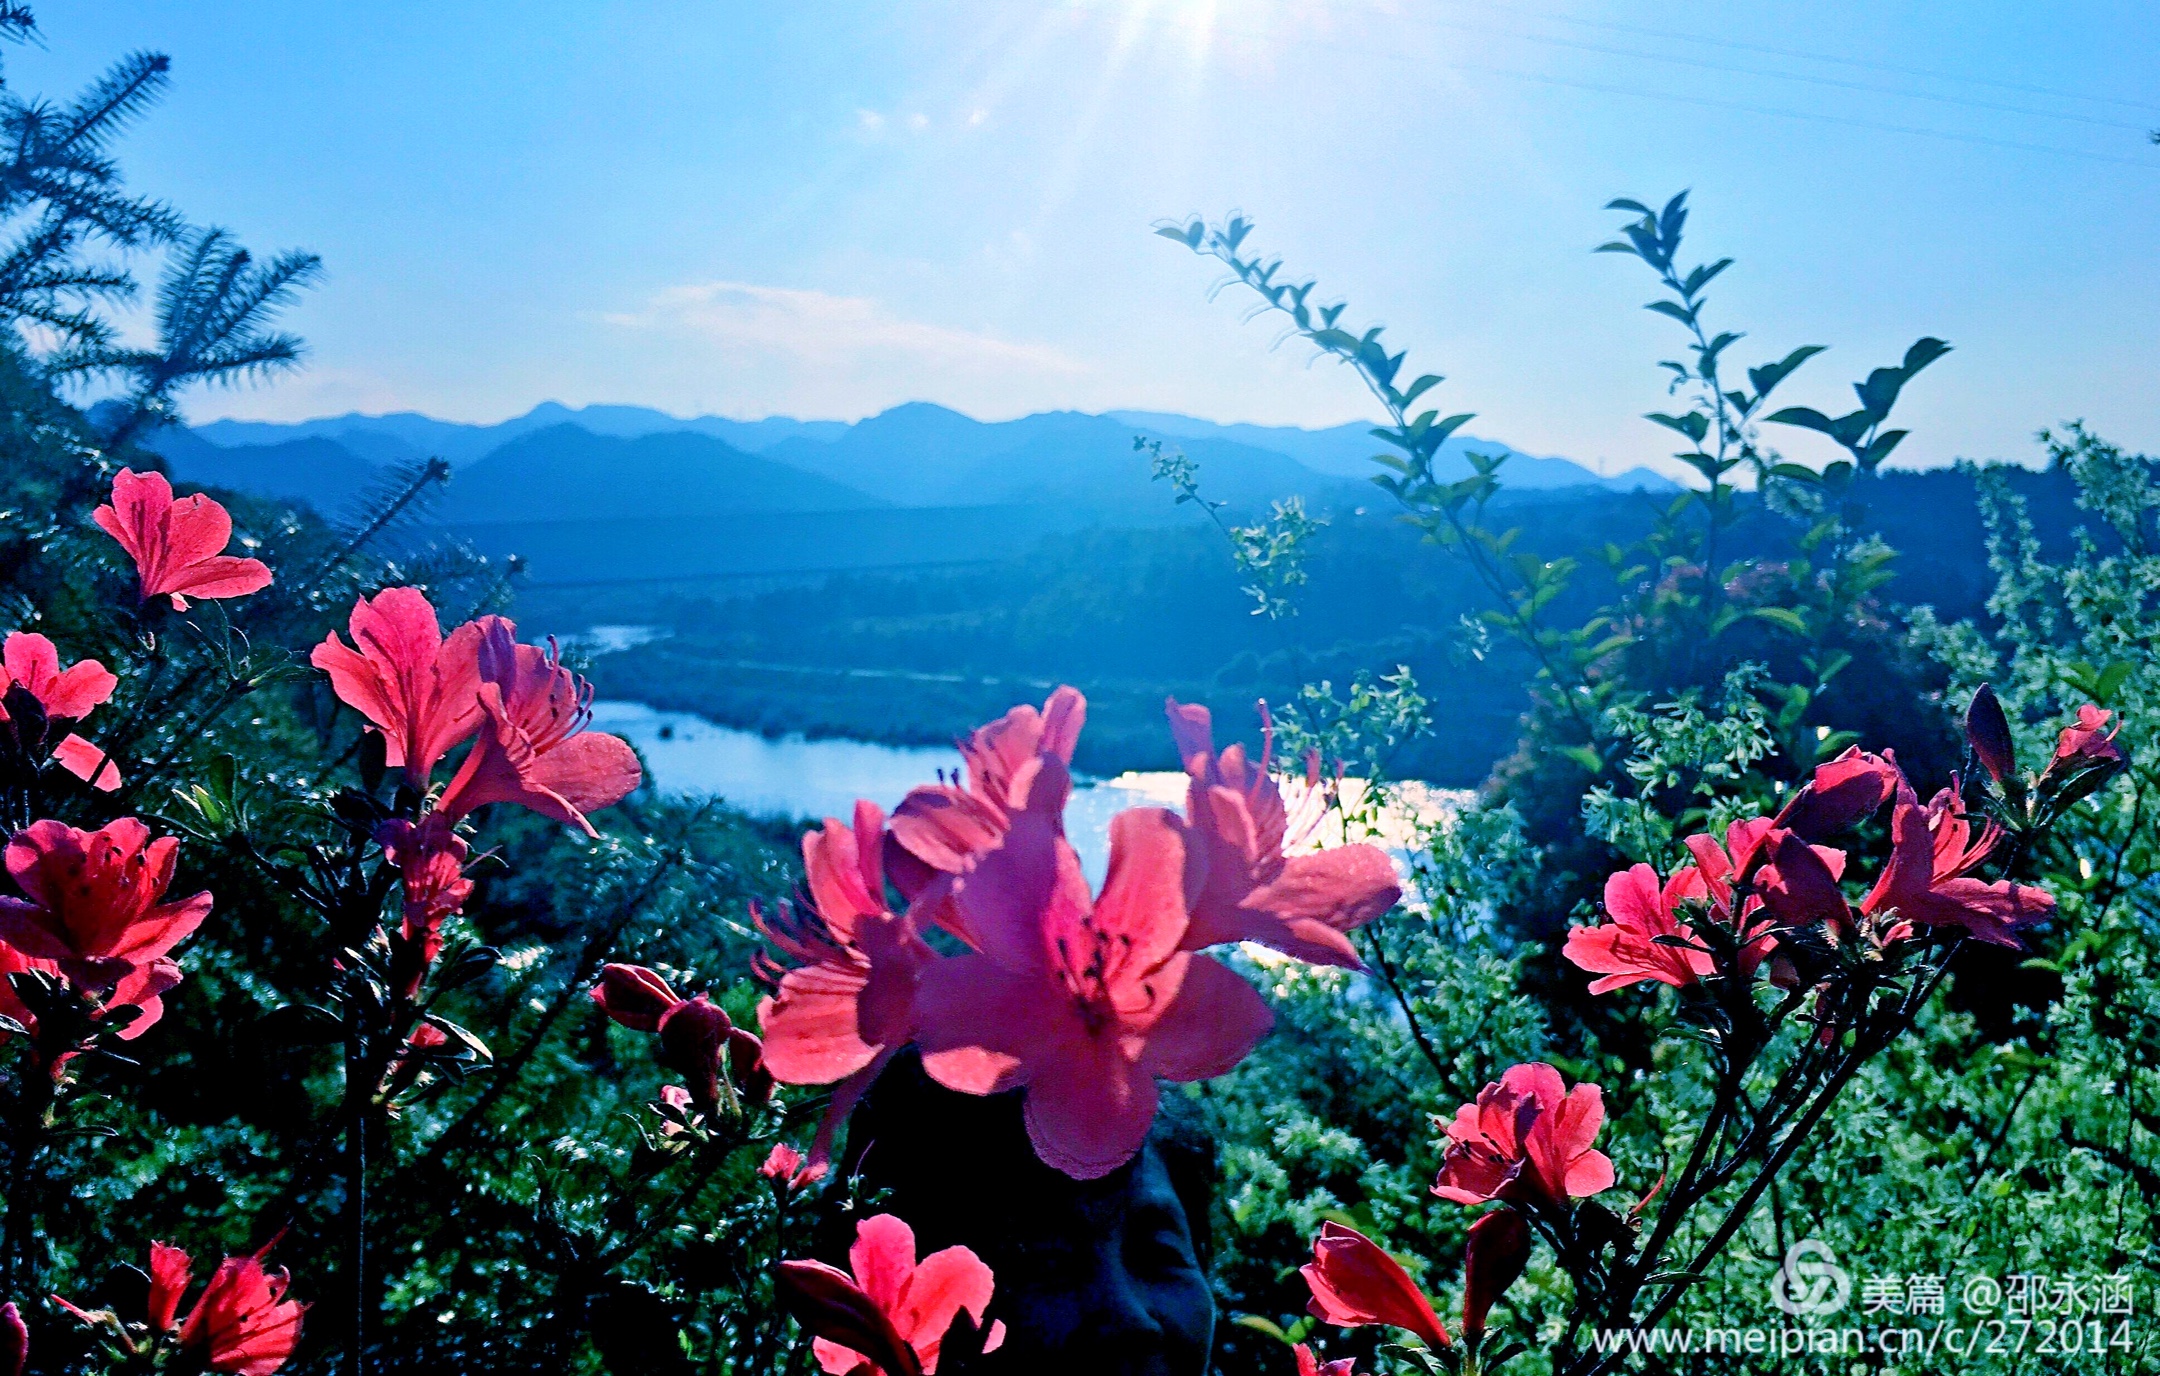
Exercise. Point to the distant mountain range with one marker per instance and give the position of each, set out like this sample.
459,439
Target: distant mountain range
629,494
555,462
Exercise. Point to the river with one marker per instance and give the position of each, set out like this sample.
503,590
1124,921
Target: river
791,776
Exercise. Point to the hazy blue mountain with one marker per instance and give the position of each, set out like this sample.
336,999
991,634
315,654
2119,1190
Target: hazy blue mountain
1346,451
321,472
630,422
405,435
566,472
622,462
925,455
400,436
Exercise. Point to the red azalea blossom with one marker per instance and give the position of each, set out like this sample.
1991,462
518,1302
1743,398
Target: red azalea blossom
1721,868
2090,740
2086,756
1309,1365
1301,905
533,749
939,829
891,1315
1625,950
176,545
1083,1002
633,996
418,688
1499,1248
430,859
32,663
695,1034
412,1058
14,1340
1526,1139
1987,731
92,903
1841,793
849,1005
142,988
242,1324
1799,884
676,1102
788,1167
1355,1282
1932,851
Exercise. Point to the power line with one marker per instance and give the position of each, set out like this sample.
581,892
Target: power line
1801,77
1805,56
1922,131
1810,116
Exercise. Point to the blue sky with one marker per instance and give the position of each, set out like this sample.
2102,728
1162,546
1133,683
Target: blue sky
827,208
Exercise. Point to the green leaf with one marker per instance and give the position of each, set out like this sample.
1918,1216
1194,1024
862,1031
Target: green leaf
1806,417
1695,425
1782,616
1583,755
1766,378
1260,1325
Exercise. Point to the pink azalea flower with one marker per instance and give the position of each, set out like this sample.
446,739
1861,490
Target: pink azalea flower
533,749
1527,1140
1309,1365
93,900
14,1340
1841,793
176,545
787,1167
1799,883
32,663
142,988
849,1005
1926,879
419,689
892,1314
2090,740
241,1324
1719,869
1083,1001
1301,905
2086,756
696,1035
1354,1282
430,859
1626,950
1498,1251
939,829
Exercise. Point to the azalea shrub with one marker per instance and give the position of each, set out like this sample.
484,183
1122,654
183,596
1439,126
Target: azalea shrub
1686,806
363,1010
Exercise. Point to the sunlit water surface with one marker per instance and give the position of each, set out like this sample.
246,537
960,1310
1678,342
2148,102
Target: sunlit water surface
790,776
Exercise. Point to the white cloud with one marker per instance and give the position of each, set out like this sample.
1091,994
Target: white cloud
780,348
818,327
